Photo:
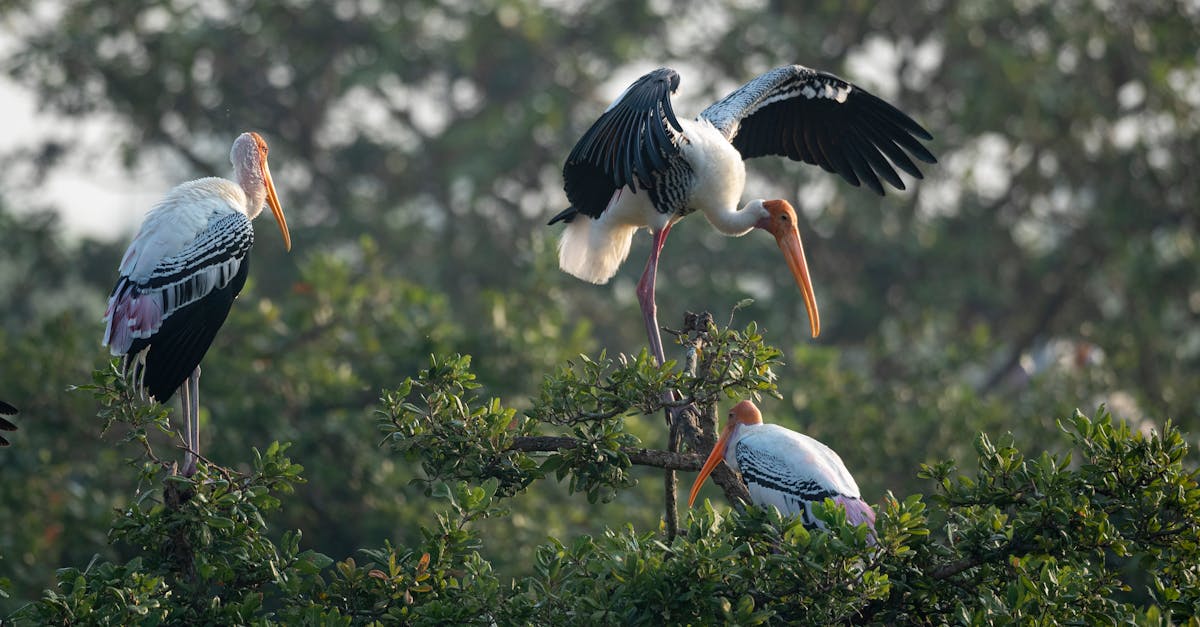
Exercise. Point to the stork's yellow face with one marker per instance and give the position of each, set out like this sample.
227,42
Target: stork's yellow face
781,222
272,196
744,413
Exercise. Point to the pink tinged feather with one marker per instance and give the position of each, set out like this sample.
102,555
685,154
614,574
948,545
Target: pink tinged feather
146,315
857,512
108,327
117,334
131,317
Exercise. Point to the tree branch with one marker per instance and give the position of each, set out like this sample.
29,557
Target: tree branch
639,456
691,419
1014,547
703,439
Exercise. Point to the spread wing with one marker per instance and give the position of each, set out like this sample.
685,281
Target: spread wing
818,118
632,140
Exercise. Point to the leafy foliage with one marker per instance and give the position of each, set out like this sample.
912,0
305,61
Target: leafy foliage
1042,540
437,420
452,433
1050,261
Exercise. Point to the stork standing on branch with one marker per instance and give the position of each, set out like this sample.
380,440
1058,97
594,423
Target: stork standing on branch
784,469
180,275
640,166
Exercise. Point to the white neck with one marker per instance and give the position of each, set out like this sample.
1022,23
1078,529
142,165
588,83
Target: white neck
737,222
720,176
248,167
739,432
256,195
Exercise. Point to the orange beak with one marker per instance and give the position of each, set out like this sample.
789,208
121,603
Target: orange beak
793,251
714,458
780,221
273,202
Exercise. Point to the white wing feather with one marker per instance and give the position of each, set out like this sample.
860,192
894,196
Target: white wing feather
791,471
176,220
192,242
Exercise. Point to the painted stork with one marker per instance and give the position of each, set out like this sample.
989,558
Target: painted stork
180,275
783,468
639,166
5,425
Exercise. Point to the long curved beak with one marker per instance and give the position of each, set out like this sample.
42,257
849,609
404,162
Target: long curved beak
273,201
793,252
714,458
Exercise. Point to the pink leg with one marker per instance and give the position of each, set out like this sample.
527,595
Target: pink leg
645,294
192,416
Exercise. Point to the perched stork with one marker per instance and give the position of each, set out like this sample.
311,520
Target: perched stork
5,425
783,468
180,275
639,166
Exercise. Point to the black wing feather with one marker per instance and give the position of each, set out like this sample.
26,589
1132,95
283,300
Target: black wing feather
878,163
630,142
862,168
818,118
889,148
180,344
836,156
5,425
903,139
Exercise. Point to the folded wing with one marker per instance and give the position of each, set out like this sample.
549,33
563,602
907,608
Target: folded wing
177,309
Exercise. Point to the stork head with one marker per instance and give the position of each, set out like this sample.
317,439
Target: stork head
744,413
780,221
249,157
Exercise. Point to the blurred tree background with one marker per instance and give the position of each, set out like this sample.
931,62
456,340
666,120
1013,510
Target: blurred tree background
1050,261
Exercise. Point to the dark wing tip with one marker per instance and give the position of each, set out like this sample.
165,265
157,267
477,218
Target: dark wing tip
628,142
565,216
7,410
671,78
665,74
822,119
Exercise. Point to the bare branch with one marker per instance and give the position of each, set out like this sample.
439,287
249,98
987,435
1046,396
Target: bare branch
639,456
703,439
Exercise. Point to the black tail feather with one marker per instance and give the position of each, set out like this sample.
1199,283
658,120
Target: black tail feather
565,216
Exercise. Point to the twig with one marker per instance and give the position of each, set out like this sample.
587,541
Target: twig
692,336
639,456
179,548
702,437
671,483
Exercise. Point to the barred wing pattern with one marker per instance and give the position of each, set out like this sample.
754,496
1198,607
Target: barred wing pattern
5,425
635,139
791,471
184,300
818,118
